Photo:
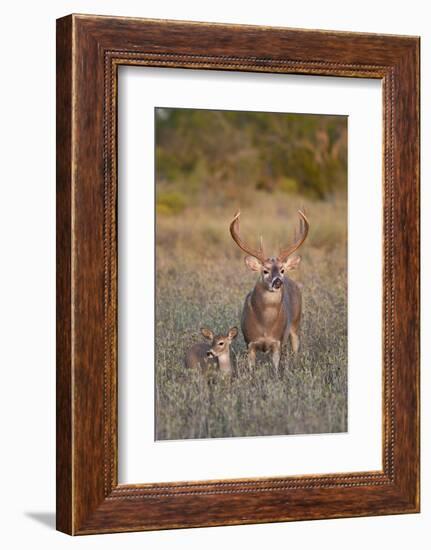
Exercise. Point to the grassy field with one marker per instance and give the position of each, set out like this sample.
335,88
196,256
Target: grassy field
202,281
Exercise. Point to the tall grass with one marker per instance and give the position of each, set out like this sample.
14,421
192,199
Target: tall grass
202,281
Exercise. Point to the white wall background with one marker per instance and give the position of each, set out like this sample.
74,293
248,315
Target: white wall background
27,280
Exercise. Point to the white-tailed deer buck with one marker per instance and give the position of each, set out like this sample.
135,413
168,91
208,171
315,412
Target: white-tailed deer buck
215,351
272,310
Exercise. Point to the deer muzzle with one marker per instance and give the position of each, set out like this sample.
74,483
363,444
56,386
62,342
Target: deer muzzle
276,283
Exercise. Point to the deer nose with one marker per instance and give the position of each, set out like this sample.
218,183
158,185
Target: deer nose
210,353
277,282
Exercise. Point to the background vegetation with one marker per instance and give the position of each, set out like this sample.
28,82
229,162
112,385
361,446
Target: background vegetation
209,163
234,152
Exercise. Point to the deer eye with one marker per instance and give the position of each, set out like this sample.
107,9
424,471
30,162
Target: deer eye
265,271
282,271
220,343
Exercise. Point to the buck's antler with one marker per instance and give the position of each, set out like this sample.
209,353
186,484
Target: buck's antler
303,232
234,231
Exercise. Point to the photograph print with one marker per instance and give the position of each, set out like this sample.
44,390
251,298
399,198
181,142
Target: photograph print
251,274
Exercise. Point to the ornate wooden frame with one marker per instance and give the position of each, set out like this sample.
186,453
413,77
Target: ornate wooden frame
89,51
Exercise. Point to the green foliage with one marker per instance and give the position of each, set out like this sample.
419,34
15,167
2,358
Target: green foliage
169,203
288,185
233,151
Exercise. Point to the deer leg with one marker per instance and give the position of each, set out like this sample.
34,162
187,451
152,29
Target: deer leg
276,351
294,340
251,355
293,333
286,334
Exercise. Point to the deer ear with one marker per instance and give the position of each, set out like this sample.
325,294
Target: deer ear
207,333
233,333
292,263
252,263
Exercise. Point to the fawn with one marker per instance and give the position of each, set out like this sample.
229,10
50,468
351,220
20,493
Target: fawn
215,351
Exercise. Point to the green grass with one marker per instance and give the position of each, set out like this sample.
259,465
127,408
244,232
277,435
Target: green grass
202,281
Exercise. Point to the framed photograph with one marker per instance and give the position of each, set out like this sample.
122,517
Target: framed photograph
237,274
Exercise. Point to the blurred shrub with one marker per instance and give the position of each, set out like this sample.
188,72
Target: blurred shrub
288,185
169,203
229,153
